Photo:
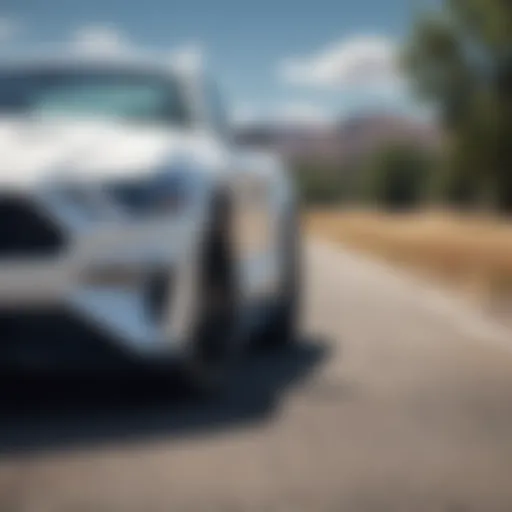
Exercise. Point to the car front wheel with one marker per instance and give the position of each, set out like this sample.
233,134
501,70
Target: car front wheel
282,328
206,366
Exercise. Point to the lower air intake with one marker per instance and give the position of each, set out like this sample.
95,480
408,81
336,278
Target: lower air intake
24,231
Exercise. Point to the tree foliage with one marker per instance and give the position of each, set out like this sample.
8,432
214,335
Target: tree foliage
395,176
461,59
320,183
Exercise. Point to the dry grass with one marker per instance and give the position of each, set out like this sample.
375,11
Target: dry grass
472,252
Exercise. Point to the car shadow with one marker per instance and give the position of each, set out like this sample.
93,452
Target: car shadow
46,414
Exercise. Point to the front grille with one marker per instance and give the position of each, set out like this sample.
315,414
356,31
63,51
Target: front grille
24,231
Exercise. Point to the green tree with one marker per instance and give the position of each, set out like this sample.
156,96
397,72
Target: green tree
319,183
395,176
461,59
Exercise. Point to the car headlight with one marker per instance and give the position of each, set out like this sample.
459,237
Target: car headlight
156,194
82,199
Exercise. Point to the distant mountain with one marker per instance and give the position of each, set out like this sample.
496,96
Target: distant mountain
345,142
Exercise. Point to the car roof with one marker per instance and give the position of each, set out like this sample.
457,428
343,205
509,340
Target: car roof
127,62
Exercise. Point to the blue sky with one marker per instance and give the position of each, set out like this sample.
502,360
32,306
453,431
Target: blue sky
272,57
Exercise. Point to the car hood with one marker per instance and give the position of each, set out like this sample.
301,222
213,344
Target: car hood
35,150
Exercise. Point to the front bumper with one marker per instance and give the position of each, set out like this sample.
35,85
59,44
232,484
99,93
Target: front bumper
55,340
101,282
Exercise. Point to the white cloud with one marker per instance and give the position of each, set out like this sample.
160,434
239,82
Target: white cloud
100,38
244,114
299,113
107,39
303,113
368,62
9,28
189,56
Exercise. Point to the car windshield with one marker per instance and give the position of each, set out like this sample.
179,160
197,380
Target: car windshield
127,96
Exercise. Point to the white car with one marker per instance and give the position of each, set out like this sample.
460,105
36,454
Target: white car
131,225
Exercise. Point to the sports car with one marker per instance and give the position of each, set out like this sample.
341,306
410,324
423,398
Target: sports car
132,226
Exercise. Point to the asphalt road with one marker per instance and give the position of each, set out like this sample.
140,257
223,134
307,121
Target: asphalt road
396,398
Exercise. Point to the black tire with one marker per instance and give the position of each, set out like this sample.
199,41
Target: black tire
282,327
206,367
